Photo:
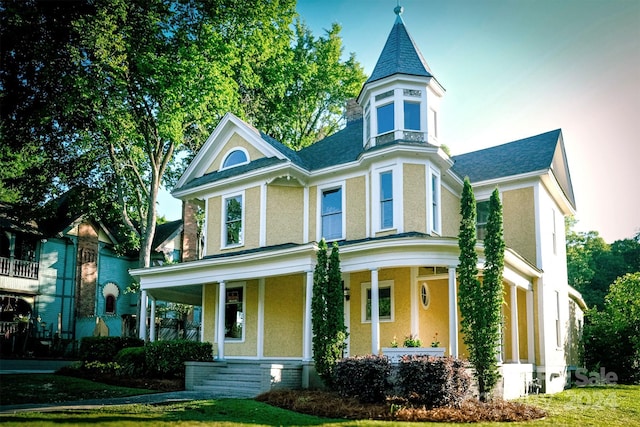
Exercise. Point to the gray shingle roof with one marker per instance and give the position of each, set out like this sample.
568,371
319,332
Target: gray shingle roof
400,55
514,158
342,147
228,173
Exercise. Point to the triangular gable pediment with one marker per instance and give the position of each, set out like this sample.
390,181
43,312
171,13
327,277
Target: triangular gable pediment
560,168
231,132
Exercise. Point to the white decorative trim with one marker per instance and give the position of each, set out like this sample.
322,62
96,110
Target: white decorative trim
110,289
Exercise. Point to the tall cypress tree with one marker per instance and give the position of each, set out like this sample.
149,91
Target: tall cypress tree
327,312
480,302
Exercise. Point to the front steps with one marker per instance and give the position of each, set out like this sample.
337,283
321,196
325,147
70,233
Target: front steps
241,378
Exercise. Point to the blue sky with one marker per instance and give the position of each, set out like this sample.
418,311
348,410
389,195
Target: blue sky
517,68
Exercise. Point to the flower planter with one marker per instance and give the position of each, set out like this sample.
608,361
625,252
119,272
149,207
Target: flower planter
394,354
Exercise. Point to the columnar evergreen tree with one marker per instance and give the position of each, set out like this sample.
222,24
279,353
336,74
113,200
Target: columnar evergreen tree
480,301
327,312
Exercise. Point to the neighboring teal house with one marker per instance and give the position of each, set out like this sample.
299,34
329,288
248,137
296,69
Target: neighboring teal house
61,279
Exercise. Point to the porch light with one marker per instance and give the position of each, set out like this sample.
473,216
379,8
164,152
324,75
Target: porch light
347,292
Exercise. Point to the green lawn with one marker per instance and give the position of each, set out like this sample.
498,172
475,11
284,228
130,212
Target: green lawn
50,388
594,406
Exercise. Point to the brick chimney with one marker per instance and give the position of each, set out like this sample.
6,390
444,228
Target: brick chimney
354,111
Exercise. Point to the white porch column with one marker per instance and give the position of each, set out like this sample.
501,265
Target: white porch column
531,353
453,313
222,297
375,313
308,332
260,340
152,320
142,333
515,342
202,314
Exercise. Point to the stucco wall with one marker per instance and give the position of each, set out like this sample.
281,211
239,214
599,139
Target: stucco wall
414,193
251,226
213,225
284,214
313,212
235,141
435,318
450,213
519,222
356,208
283,316
209,304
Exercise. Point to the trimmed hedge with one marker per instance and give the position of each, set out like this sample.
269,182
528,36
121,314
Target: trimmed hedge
132,362
165,359
364,377
433,381
105,349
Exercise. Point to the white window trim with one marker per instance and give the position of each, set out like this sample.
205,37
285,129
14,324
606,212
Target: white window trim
223,222
236,285
229,152
363,300
435,225
321,189
397,199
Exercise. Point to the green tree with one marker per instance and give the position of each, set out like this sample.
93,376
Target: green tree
611,337
327,312
317,85
480,301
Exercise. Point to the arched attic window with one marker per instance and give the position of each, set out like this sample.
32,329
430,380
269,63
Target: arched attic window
235,157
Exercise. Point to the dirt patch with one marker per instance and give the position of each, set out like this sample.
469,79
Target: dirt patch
331,405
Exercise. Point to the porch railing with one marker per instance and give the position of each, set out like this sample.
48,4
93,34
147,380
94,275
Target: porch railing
19,268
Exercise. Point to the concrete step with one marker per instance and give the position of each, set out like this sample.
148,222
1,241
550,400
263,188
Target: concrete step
239,377
229,390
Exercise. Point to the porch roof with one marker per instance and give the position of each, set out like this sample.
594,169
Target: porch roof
183,282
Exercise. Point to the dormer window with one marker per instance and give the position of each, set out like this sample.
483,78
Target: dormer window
236,157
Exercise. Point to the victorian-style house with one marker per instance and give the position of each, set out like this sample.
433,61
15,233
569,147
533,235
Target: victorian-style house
383,188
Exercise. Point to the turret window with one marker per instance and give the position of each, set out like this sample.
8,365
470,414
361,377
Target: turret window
386,118
411,115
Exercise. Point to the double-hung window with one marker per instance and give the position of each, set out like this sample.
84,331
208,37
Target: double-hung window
386,118
411,115
482,217
386,199
434,183
233,215
234,313
385,301
331,213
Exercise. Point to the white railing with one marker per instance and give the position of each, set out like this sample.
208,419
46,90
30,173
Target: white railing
18,268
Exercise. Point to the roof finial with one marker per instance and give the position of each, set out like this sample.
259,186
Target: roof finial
398,11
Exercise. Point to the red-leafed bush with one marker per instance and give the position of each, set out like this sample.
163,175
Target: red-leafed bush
363,377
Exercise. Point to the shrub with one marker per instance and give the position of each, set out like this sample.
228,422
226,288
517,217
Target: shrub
132,362
364,377
104,349
433,381
165,359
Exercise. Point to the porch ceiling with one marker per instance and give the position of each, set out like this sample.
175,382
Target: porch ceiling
189,294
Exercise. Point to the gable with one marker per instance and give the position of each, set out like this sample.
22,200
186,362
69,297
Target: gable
560,169
235,142
230,132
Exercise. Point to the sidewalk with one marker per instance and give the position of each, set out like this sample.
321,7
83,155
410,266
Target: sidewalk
154,398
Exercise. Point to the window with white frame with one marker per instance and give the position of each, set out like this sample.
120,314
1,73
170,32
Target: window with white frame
482,217
435,202
432,124
233,218
235,157
553,231
234,313
385,301
386,118
331,213
411,115
386,199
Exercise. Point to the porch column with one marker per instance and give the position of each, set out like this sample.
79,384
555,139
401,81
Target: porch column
142,333
220,321
152,320
308,332
515,343
375,313
453,313
531,353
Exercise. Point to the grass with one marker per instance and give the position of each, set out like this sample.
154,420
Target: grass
593,406
50,388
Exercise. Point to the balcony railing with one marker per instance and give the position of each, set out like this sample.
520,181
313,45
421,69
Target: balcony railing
19,268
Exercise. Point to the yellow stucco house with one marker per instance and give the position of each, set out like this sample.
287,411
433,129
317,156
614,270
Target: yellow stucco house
384,189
